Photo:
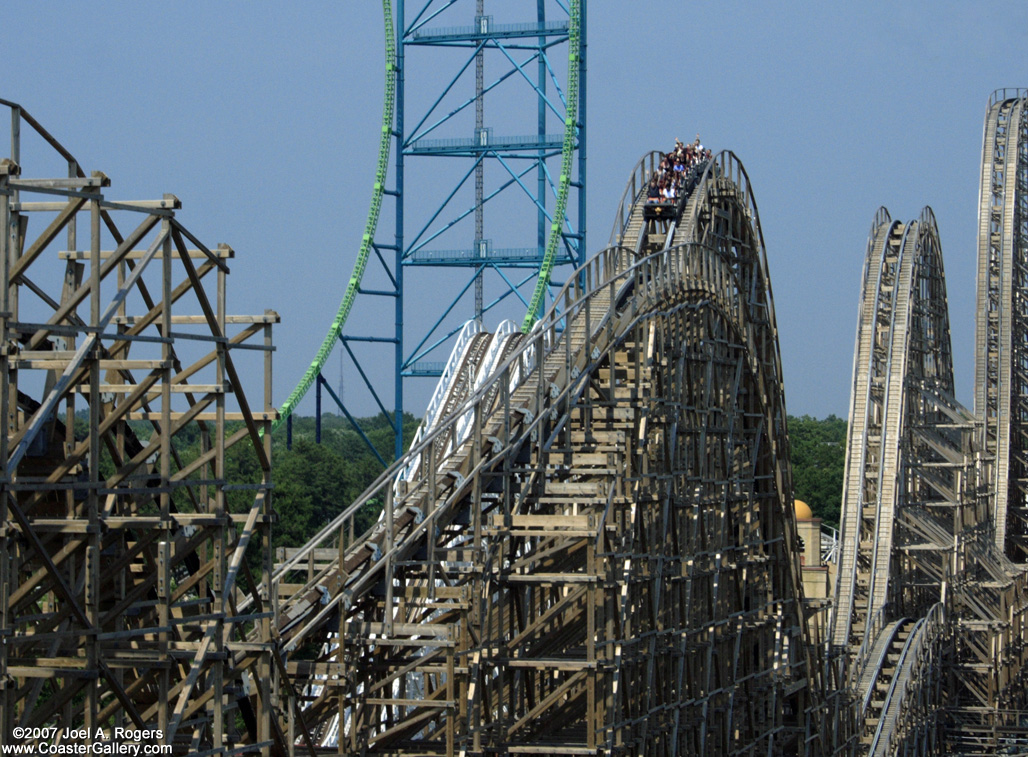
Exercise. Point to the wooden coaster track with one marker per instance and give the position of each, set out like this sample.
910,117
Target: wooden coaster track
590,547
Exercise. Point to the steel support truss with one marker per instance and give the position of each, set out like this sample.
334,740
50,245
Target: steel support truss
522,174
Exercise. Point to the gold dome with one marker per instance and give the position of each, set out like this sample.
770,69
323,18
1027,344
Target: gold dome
803,511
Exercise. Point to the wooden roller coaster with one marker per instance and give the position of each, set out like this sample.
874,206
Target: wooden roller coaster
590,548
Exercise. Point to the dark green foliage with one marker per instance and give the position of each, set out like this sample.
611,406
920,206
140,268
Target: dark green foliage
338,434
316,482
818,458
312,482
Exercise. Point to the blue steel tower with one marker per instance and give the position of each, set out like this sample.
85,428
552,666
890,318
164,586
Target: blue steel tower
488,184
525,97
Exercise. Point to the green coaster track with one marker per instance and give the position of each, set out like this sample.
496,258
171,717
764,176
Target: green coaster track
564,184
381,169
388,112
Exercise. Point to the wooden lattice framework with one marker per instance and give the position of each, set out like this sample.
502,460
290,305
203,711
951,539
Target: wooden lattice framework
123,553
591,551
604,562
924,595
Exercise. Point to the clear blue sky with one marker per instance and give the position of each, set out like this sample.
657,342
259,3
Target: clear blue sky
263,118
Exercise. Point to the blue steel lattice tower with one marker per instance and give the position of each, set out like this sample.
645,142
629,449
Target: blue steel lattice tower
489,176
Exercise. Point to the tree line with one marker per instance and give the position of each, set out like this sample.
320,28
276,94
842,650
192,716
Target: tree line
314,482
818,455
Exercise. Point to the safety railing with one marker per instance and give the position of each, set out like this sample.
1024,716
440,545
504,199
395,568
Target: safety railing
532,141
527,28
919,655
1006,93
634,187
520,405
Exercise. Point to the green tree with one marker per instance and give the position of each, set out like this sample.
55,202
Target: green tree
316,482
317,477
818,456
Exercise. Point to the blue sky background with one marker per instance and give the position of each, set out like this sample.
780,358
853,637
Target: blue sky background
263,119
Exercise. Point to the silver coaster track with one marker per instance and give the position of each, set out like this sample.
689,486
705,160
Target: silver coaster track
1001,378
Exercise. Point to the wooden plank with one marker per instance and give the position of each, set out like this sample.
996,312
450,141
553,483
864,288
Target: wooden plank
225,253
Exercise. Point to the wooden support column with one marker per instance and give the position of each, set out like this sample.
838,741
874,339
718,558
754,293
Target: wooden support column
91,566
220,541
7,225
164,550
